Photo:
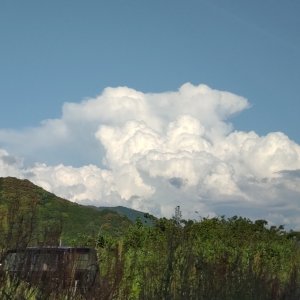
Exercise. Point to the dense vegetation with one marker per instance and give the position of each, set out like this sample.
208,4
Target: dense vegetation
216,258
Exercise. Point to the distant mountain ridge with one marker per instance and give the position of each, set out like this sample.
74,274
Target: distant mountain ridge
132,214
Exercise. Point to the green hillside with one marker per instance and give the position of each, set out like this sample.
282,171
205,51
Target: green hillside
29,213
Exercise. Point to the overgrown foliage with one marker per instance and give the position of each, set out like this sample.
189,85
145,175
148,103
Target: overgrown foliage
214,258
211,258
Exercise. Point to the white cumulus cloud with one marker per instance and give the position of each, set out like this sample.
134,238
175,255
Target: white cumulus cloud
156,151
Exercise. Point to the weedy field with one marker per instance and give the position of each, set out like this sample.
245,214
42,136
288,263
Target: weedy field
211,258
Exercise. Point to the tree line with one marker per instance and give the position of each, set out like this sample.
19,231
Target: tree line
210,258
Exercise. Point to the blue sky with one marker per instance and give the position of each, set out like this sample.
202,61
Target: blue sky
154,104
57,51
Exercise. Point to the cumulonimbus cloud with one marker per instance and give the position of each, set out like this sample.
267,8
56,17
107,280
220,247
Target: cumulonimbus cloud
155,151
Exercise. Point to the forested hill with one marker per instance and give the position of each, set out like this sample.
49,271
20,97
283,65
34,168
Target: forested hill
25,206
